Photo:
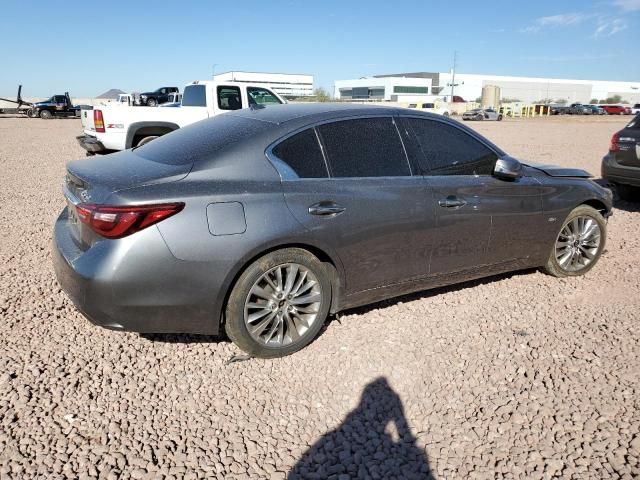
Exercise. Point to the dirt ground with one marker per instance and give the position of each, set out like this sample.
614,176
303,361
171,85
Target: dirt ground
517,376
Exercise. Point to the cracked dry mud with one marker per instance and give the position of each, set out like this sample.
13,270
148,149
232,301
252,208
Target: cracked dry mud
518,376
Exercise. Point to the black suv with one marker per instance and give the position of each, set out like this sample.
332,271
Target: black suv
621,166
161,95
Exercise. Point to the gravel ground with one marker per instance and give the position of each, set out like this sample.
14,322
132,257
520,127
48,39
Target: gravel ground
519,376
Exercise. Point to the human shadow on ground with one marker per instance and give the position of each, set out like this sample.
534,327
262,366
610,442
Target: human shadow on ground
373,441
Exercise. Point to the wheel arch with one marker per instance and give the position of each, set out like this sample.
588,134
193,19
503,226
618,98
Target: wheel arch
148,128
330,260
598,205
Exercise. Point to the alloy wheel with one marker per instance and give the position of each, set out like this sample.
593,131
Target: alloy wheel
282,305
578,243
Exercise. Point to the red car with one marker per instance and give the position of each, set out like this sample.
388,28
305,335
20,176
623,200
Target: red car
614,109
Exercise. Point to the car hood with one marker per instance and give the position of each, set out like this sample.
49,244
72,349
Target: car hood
557,171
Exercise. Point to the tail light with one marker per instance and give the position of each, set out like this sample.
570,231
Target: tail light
98,121
614,143
120,221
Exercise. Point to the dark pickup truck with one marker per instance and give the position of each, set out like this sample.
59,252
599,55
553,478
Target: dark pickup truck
157,97
56,106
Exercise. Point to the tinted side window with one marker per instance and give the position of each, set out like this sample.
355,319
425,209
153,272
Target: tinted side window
450,151
261,96
367,147
302,153
194,96
229,98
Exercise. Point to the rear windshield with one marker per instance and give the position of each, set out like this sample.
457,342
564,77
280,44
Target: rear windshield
201,140
635,123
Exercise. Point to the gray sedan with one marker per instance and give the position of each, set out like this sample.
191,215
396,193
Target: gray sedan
482,114
263,222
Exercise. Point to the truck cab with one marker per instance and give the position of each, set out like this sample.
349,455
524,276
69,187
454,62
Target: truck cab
112,128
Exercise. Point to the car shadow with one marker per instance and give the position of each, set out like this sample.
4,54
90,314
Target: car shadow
619,203
373,441
421,295
433,292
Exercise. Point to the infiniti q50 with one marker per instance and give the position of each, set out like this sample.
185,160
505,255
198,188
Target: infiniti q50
263,222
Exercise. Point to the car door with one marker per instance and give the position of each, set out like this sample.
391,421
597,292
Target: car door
361,199
482,220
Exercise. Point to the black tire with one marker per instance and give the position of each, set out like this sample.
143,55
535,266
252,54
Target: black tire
479,117
552,267
445,114
235,325
152,102
500,117
146,140
627,192
46,114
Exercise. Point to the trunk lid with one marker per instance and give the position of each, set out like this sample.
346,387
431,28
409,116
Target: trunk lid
629,144
86,117
94,180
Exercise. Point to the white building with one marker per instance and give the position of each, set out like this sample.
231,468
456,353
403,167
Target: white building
285,84
469,87
392,89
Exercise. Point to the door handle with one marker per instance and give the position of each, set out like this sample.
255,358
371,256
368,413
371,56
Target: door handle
452,202
326,209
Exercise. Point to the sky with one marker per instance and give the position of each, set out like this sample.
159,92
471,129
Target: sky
87,48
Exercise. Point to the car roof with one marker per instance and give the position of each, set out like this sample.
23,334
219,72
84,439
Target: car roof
279,114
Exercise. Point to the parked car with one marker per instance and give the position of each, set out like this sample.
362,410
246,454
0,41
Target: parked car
596,110
613,109
110,128
175,100
157,97
482,114
263,221
635,109
621,166
557,109
431,108
579,109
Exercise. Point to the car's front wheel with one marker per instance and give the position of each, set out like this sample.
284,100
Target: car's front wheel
152,102
579,243
279,303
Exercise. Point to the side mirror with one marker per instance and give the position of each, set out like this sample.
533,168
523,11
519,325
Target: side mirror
507,168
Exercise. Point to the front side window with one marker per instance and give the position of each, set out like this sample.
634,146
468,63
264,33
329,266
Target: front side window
229,98
448,150
261,96
302,153
194,96
367,147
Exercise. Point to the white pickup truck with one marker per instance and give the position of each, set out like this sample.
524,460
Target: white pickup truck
118,127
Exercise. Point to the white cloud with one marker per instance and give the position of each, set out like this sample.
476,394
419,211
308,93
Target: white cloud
627,5
560,20
609,27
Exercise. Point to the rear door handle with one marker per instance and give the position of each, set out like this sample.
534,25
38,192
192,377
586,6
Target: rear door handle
452,202
326,209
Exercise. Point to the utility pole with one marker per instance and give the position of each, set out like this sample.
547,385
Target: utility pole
453,73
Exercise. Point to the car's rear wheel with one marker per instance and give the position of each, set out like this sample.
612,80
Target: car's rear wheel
500,117
628,192
279,303
579,243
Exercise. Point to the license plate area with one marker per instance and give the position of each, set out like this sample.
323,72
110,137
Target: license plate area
72,214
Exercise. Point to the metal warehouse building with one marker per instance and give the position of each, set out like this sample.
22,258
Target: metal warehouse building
286,84
394,87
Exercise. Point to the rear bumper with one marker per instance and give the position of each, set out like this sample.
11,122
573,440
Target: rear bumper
91,144
132,284
616,173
